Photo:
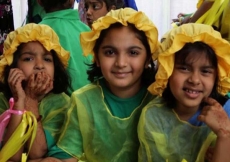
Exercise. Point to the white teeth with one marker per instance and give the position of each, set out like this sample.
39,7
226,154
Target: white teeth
190,91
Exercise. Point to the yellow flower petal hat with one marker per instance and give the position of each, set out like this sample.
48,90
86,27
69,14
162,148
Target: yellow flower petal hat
123,16
176,39
31,32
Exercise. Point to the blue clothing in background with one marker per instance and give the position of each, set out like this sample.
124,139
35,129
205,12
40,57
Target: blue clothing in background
131,4
193,120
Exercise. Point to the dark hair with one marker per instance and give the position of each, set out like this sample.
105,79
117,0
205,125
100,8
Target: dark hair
31,18
61,76
51,4
148,76
118,3
196,48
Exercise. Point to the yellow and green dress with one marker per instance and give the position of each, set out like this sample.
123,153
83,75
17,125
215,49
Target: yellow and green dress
165,138
52,108
101,127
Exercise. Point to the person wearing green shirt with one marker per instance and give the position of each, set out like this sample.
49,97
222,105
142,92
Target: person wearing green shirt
66,23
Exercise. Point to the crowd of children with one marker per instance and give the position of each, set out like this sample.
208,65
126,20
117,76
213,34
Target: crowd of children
110,91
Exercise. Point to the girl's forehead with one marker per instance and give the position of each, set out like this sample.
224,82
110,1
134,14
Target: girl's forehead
192,57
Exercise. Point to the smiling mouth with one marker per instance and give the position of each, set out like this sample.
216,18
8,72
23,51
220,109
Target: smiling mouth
191,91
120,74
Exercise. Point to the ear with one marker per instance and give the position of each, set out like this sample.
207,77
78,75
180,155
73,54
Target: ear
97,61
113,7
147,63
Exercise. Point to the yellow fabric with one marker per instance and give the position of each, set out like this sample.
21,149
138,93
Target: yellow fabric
31,32
52,108
213,15
225,23
93,134
123,16
26,130
200,2
164,137
176,39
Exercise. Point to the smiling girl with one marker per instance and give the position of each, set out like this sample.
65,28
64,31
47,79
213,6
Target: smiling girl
193,112
102,122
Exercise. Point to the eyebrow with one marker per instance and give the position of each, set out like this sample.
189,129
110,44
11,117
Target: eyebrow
131,47
32,53
204,67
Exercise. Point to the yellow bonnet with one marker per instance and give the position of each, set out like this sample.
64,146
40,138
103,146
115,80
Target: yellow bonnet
123,16
31,32
176,39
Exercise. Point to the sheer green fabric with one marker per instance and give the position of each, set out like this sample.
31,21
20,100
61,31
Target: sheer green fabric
52,108
165,138
93,134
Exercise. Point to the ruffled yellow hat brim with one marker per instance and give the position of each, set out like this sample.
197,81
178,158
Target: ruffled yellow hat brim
176,39
31,32
123,16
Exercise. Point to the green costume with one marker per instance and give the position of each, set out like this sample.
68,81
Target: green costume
52,108
92,133
68,26
165,138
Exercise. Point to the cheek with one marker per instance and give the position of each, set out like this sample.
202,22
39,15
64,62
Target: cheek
51,73
209,85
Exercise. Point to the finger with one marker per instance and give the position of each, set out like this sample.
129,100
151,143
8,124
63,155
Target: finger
201,118
212,102
12,74
31,81
41,80
49,86
15,77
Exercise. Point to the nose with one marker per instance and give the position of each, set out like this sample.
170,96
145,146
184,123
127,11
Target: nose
121,61
194,78
39,65
89,11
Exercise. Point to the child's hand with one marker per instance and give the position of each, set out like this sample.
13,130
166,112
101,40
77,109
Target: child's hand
39,85
215,117
16,76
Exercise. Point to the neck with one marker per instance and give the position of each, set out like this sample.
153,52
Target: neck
125,92
185,113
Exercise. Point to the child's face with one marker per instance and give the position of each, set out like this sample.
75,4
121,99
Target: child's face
94,10
191,82
122,59
35,58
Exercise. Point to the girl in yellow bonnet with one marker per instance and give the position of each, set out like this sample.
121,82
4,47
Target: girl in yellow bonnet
32,71
192,111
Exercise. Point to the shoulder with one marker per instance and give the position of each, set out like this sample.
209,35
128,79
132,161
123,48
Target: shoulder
56,99
156,106
86,90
